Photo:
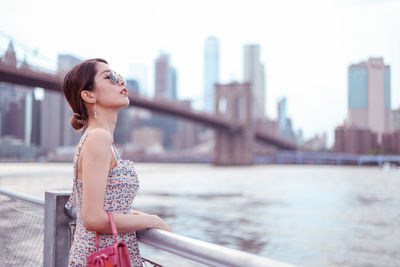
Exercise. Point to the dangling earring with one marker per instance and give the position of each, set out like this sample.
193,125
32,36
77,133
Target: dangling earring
95,113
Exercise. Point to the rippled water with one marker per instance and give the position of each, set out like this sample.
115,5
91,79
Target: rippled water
304,215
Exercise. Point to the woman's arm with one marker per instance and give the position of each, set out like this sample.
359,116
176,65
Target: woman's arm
96,158
136,212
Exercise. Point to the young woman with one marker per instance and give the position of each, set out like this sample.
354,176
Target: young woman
102,180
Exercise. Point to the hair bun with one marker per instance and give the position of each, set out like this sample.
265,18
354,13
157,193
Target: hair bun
77,122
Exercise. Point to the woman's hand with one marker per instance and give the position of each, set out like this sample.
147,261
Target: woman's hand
157,222
160,223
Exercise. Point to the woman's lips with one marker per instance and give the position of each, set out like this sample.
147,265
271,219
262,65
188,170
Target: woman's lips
124,92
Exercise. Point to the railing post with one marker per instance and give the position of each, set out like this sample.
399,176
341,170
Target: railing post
56,230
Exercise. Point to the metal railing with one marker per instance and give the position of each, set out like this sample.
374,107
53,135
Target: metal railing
202,252
23,197
57,238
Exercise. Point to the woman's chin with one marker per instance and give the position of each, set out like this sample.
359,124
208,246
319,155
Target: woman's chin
127,102
120,104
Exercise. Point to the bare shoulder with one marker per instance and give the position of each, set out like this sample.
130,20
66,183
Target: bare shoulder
98,141
100,133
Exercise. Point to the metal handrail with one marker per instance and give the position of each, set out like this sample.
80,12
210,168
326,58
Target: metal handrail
190,248
202,252
28,198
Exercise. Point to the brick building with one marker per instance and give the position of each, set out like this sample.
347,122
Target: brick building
353,140
391,142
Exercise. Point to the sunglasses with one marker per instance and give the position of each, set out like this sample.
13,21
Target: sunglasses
114,77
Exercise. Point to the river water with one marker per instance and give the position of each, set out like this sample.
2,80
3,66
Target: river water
300,214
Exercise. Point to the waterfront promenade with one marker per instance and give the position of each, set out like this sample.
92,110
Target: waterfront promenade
307,215
21,233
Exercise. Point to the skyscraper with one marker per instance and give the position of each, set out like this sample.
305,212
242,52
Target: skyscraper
165,78
69,136
210,72
15,118
369,96
166,88
173,84
36,112
253,72
285,123
51,122
162,76
396,119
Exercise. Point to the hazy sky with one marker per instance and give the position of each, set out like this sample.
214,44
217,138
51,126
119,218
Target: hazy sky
306,46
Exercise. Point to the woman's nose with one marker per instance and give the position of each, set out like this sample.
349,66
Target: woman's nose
121,81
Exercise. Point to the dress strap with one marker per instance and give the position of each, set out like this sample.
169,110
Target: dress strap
116,151
72,200
77,153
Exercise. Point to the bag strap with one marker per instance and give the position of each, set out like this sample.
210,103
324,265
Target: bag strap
113,228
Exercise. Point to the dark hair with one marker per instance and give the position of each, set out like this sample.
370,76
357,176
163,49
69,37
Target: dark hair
79,78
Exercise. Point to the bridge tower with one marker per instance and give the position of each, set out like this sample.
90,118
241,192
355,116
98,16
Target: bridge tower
233,102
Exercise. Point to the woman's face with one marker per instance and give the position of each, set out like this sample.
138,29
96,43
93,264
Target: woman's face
108,93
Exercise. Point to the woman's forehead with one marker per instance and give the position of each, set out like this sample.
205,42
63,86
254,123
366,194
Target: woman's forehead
102,67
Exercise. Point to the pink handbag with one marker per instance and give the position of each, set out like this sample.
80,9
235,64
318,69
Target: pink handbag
116,255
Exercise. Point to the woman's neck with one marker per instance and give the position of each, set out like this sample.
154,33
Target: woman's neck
105,120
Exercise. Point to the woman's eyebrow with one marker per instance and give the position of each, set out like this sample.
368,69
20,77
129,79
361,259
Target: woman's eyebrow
104,71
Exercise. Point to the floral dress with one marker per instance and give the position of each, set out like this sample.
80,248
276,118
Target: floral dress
122,185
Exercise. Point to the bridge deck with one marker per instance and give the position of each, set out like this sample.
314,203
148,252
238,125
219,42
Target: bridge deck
53,82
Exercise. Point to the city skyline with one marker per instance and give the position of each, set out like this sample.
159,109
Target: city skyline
210,72
306,47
